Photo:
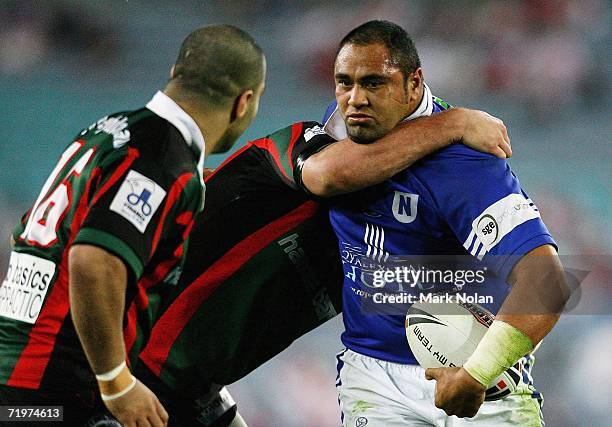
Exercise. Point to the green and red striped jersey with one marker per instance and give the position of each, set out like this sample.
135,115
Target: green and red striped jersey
263,268
130,184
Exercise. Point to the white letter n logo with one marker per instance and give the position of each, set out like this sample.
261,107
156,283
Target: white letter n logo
405,207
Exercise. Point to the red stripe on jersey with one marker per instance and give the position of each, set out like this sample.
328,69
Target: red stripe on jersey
32,362
30,367
119,172
229,159
163,268
173,321
173,195
185,219
268,145
296,132
25,216
82,209
141,301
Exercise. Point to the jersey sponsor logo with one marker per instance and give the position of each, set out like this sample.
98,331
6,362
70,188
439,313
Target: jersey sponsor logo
488,227
498,220
360,267
137,199
312,132
351,254
114,126
404,206
23,291
324,309
351,260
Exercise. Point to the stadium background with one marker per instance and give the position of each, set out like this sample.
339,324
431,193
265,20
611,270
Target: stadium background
543,66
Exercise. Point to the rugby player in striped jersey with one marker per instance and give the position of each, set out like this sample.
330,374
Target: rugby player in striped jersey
109,225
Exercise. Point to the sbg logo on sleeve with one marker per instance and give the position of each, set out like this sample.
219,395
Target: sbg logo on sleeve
502,217
137,199
487,225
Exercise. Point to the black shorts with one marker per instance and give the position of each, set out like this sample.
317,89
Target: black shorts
212,410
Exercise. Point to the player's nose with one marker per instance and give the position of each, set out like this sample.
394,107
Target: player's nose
357,97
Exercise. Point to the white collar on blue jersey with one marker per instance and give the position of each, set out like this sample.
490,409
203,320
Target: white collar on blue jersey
335,127
165,107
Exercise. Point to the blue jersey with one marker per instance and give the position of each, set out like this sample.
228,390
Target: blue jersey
454,202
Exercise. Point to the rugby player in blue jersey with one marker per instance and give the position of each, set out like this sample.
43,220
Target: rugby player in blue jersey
436,207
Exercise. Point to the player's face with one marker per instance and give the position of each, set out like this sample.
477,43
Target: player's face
370,90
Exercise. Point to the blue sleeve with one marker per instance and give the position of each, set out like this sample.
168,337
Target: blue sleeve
328,111
482,202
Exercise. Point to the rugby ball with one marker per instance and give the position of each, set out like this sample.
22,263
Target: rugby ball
445,334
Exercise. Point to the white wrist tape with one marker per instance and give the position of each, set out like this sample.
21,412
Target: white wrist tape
107,397
499,349
112,374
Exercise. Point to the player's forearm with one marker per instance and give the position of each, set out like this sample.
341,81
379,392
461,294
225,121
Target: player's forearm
539,293
97,294
530,311
346,166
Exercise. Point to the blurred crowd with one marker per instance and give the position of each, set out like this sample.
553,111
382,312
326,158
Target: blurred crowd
544,54
35,33
541,53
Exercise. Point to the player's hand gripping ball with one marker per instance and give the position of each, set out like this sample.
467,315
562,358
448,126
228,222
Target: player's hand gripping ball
443,335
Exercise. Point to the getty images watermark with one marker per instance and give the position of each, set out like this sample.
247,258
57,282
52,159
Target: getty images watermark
388,286
421,278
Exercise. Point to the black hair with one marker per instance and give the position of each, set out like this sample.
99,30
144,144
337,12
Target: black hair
401,48
219,62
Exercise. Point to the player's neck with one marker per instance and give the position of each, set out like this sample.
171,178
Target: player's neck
212,122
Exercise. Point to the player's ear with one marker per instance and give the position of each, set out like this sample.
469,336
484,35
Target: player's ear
241,104
172,72
414,83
